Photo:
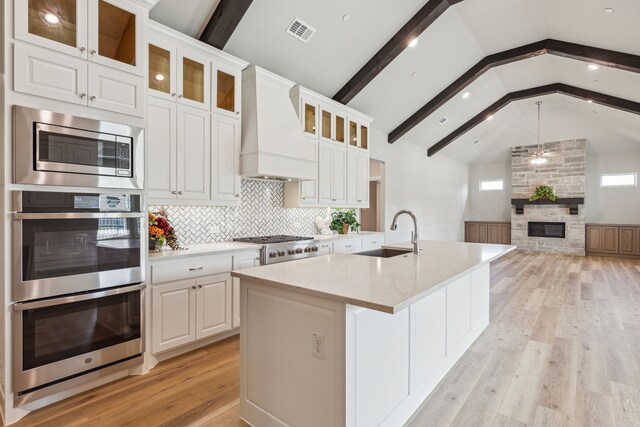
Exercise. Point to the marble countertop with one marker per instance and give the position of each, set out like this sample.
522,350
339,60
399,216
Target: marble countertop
325,237
203,249
384,284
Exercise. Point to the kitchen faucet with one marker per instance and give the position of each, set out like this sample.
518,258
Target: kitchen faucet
414,234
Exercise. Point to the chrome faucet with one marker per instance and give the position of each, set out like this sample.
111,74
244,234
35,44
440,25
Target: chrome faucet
414,234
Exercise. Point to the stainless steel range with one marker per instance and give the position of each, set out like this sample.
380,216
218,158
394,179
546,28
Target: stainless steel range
283,248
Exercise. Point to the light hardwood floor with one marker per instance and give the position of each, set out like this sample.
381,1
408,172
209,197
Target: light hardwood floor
562,349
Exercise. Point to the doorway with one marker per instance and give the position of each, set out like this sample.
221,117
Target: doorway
372,218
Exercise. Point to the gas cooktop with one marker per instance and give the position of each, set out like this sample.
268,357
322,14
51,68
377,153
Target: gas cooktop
268,240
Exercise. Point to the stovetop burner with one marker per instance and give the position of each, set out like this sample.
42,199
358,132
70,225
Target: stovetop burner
267,240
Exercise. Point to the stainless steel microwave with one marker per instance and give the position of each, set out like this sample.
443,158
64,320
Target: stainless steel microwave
58,149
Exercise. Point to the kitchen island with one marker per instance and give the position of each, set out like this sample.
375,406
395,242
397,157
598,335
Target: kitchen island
354,340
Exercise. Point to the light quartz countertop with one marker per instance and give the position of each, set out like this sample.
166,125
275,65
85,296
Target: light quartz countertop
226,247
384,284
203,249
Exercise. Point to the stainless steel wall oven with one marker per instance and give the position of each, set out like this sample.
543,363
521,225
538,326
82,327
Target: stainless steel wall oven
78,289
59,149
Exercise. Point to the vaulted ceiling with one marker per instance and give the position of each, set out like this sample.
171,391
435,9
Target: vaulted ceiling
464,34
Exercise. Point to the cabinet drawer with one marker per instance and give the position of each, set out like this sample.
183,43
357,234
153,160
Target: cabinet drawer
165,271
372,242
346,246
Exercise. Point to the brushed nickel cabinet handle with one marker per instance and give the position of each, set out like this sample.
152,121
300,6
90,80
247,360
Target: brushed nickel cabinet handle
174,192
180,192
195,269
93,51
83,49
83,95
92,98
173,94
180,96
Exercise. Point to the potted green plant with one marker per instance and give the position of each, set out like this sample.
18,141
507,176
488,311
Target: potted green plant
543,192
343,220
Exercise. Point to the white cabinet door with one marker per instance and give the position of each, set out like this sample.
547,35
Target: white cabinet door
347,246
226,90
309,191
68,35
213,311
325,153
115,90
480,279
372,242
163,69
174,307
49,74
225,158
458,311
194,79
352,177
339,175
325,248
194,157
362,180
115,34
161,149
240,262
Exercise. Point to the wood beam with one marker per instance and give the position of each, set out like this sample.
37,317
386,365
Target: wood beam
604,57
576,92
426,16
224,21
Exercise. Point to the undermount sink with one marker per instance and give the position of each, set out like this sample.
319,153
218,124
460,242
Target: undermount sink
385,253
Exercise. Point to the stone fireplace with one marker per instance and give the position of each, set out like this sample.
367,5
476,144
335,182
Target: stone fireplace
565,172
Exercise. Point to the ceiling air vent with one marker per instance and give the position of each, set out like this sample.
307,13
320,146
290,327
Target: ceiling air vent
443,120
300,30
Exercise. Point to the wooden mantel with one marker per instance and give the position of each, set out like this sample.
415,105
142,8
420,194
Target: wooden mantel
572,203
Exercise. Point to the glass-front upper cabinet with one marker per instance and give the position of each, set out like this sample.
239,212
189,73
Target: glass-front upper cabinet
364,137
353,134
226,90
309,118
161,71
104,31
326,129
194,77
339,125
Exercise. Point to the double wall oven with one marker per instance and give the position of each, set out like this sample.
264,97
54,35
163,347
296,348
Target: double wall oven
78,287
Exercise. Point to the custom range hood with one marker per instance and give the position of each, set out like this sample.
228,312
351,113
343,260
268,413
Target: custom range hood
273,143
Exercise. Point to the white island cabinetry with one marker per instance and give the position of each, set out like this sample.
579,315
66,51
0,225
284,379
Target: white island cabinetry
374,336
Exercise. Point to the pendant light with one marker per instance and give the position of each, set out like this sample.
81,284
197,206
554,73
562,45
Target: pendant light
538,155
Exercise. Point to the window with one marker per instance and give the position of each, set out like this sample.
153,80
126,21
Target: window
491,185
619,180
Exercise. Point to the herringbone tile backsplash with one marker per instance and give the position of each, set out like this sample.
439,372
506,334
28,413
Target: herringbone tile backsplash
261,213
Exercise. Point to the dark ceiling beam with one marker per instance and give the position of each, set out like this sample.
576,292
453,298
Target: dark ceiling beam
224,21
604,57
576,92
426,16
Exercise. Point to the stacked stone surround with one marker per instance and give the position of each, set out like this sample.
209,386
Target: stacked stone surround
565,172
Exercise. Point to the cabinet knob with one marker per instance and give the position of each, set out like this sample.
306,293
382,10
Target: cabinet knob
237,113
83,95
173,94
193,287
93,51
180,96
359,201
174,192
237,195
180,192
304,198
83,49
199,286
92,98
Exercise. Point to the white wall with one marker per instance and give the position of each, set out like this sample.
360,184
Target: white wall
434,188
612,205
489,205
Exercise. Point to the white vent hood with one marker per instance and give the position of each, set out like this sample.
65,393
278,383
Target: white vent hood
273,143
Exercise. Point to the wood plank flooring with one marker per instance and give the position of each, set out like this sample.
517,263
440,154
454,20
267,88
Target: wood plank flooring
562,349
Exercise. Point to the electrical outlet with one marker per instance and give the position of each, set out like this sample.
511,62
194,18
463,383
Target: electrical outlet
317,348
214,229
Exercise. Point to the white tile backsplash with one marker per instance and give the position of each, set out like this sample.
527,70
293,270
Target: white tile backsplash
260,213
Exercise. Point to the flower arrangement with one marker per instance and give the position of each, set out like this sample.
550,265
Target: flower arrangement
161,231
342,220
543,192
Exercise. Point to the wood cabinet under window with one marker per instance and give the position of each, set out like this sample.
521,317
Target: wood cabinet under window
487,232
612,239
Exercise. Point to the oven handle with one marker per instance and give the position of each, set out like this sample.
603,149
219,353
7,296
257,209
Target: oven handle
77,215
21,306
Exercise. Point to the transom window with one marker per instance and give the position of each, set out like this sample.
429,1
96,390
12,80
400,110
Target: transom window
491,185
619,180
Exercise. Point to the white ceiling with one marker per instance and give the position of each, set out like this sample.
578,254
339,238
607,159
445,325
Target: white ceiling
456,41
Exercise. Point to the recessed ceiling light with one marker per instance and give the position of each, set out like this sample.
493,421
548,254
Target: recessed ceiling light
608,10
346,17
593,67
466,95
590,101
490,117
414,74
413,42
51,18
159,77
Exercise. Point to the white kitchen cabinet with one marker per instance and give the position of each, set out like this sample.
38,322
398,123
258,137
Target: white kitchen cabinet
347,246
44,73
247,260
174,314
226,94
332,169
458,311
107,32
357,178
188,310
374,241
194,79
225,158
178,152
325,248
